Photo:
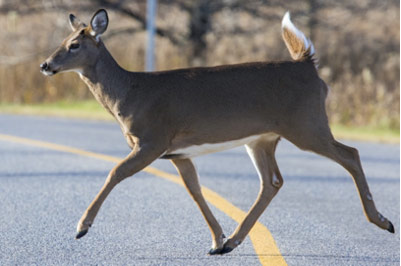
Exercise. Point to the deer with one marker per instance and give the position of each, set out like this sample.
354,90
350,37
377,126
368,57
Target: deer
183,113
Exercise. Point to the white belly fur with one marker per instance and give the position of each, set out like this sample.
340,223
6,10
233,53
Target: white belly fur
197,150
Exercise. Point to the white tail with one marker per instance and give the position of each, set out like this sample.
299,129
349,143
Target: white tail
183,113
299,46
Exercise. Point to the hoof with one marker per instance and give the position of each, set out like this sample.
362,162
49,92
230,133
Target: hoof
220,251
81,234
226,250
214,251
391,228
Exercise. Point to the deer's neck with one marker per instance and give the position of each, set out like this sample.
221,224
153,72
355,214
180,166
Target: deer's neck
107,81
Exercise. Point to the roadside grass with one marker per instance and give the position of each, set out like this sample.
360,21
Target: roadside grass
90,109
372,134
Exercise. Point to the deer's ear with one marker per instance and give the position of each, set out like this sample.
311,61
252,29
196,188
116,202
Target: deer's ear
75,23
99,23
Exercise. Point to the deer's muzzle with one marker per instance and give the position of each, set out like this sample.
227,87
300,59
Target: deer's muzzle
46,69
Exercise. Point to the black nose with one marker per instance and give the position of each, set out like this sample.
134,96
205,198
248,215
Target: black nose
44,66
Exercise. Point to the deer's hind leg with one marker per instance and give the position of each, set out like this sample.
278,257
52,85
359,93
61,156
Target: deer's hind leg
262,153
188,173
319,139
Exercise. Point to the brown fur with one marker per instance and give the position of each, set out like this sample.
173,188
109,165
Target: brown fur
161,112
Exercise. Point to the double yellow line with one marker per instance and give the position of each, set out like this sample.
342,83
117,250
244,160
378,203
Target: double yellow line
262,240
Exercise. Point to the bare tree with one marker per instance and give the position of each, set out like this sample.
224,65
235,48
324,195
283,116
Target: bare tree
26,7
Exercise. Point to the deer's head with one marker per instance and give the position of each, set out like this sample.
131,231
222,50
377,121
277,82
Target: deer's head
80,49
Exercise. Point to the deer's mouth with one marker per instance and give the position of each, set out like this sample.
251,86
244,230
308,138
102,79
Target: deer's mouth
47,70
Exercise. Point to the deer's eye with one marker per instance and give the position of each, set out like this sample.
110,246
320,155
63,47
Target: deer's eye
74,46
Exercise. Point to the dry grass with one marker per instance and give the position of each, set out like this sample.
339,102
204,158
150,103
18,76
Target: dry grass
357,45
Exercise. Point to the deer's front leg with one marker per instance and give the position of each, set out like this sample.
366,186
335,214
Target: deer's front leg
139,158
188,174
262,154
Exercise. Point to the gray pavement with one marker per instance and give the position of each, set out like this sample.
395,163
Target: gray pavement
316,218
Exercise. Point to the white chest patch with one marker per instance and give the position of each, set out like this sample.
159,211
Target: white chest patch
197,150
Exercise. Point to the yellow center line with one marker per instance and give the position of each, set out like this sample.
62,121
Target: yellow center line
262,240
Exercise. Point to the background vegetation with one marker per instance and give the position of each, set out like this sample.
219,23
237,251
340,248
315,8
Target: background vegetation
357,43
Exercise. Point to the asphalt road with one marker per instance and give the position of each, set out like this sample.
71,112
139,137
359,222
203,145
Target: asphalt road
316,218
